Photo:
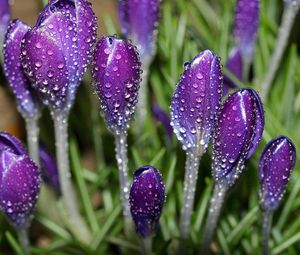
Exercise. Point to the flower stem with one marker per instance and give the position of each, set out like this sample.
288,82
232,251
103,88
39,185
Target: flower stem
122,161
76,223
24,240
290,11
146,244
215,207
142,97
190,180
32,129
267,222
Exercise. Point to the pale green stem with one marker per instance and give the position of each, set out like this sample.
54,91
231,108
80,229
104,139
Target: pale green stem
32,129
122,161
142,104
190,180
216,204
146,245
24,240
290,11
267,223
76,223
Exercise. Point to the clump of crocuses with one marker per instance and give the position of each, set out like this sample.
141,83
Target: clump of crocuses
246,23
238,132
147,198
20,182
275,167
55,56
194,107
139,23
116,72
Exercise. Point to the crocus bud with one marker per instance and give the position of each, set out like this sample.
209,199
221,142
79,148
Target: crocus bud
162,117
245,26
276,165
19,182
49,167
147,197
139,22
26,99
56,52
4,19
116,71
238,132
196,101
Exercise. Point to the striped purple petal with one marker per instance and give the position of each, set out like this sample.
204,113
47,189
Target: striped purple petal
147,198
116,71
276,165
139,22
196,101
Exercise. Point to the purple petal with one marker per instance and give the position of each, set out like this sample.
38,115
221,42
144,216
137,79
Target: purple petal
246,25
45,65
161,116
139,22
116,71
236,135
235,65
196,100
19,190
147,197
10,143
49,166
4,18
26,100
276,165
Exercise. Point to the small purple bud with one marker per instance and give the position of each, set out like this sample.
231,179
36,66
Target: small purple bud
238,132
147,198
26,99
162,117
19,182
276,165
116,71
245,26
139,22
196,101
4,19
49,167
235,65
56,52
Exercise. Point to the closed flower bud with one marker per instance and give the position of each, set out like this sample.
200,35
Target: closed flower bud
147,197
56,52
238,132
276,165
4,19
26,99
139,22
19,182
196,101
116,72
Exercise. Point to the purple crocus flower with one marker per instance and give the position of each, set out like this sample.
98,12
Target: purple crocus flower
246,23
238,132
147,197
116,71
56,52
19,181
139,22
276,165
49,167
4,19
26,100
162,117
196,101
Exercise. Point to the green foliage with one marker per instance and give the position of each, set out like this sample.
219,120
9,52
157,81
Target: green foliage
186,28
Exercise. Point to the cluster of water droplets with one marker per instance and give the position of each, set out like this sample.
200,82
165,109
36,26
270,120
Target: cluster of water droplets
275,168
116,71
196,101
147,197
